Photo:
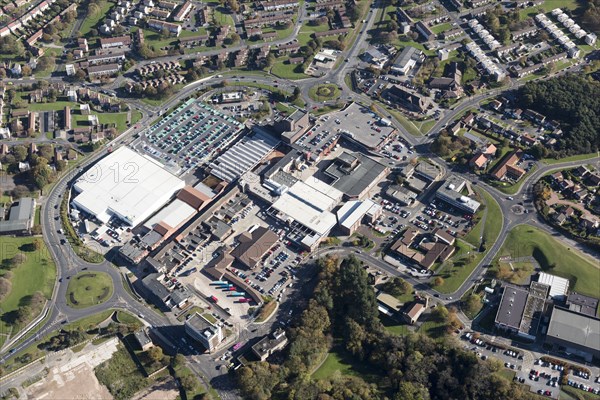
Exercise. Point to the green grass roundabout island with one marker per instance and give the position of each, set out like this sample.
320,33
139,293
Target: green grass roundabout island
88,289
324,92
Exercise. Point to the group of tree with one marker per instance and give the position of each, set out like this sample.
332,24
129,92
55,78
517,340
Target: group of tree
573,101
29,306
40,173
396,287
343,307
163,91
10,45
63,340
591,16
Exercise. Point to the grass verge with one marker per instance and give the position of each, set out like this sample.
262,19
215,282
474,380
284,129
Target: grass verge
553,257
37,273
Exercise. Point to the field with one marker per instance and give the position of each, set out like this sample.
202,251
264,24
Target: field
285,70
339,360
394,326
455,273
37,273
405,122
88,289
441,28
553,257
493,219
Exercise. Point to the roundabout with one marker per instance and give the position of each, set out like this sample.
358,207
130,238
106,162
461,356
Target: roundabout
87,289
324,92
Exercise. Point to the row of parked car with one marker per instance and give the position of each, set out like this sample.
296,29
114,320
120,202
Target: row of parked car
583,387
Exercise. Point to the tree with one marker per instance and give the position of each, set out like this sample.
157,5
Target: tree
411,391
5,287
20,191
189,382
26,70
178,361
36,244
396,287
20,153
16,260
155,353
438,281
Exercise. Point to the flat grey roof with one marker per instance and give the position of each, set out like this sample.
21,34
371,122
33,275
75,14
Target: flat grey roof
406,55
512,307
23,209
353,182
583,304
575,328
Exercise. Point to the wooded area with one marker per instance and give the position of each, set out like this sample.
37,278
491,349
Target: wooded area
572,100
410,367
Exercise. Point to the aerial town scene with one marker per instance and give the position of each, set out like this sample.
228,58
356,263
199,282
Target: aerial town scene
300,199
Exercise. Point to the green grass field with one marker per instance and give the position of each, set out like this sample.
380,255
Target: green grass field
339,360
456,273
222,17
405,122
393,326
583,273
493,221
285,70
58,105
89,288
441,28
91,21
37,273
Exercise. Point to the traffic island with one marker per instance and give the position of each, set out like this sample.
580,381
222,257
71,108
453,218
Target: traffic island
89,289
324,92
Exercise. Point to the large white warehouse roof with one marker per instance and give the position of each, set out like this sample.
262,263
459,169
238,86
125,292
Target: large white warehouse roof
126,185
309,204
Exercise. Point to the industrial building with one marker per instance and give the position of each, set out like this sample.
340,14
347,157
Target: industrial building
20,219
559,287
125,185
406,60
355,174
511,308
583,304
574,333
306,207
293,126
520,310
202,330
351,215
243,156
450,192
